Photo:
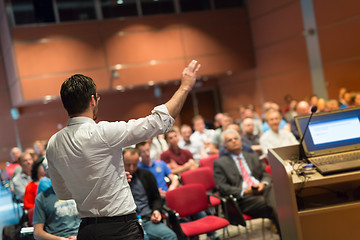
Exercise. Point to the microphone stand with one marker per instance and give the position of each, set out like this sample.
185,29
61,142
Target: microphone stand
302,154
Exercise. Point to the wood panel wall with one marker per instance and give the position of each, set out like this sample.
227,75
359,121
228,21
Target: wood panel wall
282,65
338,24
256,56
137,50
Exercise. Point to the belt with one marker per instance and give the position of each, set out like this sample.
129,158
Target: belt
123,218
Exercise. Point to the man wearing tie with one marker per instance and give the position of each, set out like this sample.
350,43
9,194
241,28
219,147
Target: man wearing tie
243,176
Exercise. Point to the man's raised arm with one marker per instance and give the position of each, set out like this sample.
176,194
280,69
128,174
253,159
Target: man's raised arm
188,80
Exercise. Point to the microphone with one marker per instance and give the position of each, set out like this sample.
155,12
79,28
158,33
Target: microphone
301,148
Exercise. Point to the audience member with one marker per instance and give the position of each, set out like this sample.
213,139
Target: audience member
283,124
13,167
341,100
54,218
249,137
157,145
196,148
178,159
302,108
40,147
201,134
313,100
148,202
158,168
33,153
22,179
292,111
215,141
218,120
245,147
321,105
346,99
288,99
257,123
275,137
241,114
332,104
355,99
243,176
37,172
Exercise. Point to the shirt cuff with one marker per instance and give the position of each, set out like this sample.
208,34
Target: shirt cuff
168,120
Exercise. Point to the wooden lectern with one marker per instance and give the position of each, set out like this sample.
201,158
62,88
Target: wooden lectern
313,206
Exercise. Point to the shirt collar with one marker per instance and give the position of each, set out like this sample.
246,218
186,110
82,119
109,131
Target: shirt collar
79,120
235,157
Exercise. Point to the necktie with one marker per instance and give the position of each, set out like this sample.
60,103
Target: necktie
245,174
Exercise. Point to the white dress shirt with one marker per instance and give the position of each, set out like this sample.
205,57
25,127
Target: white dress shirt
271,139
85,161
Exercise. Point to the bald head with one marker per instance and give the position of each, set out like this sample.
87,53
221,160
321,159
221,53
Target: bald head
302,108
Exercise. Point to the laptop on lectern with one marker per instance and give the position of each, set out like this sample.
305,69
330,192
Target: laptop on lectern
332,141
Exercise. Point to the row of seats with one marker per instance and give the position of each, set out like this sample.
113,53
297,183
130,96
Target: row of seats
198,194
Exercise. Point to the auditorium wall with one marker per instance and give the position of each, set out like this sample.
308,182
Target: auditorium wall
251,57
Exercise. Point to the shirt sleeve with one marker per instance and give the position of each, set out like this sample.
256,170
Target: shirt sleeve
167,170
122,134
57,181
165,157
39,213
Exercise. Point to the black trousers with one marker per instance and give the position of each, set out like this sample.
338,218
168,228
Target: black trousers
262,205
110,228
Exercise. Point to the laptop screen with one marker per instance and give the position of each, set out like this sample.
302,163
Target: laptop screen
330,132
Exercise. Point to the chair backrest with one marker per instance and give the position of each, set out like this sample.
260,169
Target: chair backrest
187,200
203,176
268,169
233,213
209,161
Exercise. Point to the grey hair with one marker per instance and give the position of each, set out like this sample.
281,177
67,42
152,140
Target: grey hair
222,136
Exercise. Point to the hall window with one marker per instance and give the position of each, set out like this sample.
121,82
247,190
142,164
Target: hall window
194,5
79,10
152,7
29,12
118,8
228,3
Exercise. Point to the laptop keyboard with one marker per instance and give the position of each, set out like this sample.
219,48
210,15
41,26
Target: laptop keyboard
336,158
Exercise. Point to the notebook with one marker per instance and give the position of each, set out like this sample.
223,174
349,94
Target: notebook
332,141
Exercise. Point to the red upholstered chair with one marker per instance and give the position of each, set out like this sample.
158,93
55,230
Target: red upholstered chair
209,161
205,177
268,169
186,201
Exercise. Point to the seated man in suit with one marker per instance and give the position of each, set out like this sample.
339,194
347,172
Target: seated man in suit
243,176
148,202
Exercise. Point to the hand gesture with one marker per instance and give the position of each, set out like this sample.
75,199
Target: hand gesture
189,75
128,176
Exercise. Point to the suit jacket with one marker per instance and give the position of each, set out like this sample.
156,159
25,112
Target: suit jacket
228,179
150,185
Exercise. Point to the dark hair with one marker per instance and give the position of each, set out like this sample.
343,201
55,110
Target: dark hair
76,93
171,130
131,150
140,144
34,169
